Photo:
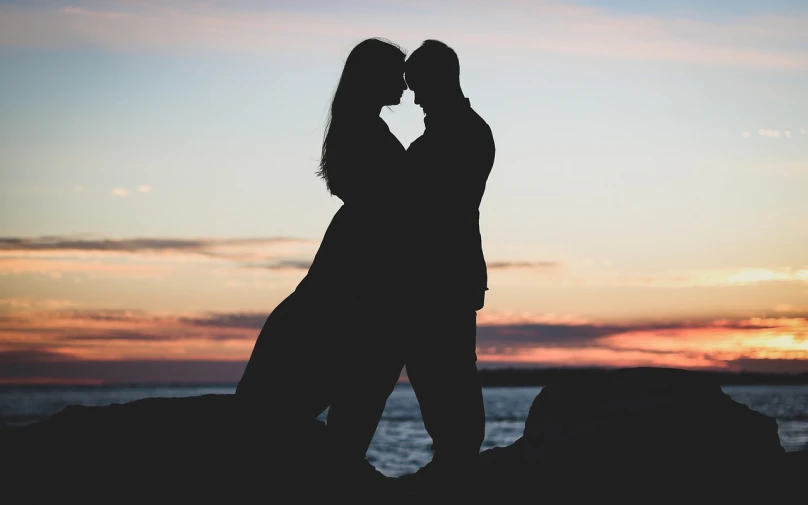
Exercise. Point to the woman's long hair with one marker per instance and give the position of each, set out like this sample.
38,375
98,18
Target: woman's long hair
354,100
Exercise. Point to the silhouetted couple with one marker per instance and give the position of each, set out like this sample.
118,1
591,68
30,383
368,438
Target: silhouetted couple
400,273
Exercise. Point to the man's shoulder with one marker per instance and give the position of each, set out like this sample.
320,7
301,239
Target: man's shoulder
479,128
477,120
417,142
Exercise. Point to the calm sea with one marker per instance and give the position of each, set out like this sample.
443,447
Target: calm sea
401,444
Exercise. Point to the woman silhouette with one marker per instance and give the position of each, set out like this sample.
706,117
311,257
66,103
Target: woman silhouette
300,363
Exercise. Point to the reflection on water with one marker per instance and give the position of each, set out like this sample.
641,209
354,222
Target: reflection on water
401,444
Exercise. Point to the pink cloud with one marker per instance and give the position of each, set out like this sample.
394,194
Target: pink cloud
525,27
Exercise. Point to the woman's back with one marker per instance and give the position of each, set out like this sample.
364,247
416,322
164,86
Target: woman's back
362,164
358,246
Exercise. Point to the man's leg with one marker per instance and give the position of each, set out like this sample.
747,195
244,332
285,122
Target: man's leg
442,368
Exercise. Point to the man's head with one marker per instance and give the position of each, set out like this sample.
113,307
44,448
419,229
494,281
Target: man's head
433,74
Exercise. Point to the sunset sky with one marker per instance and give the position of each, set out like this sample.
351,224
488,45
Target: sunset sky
648,205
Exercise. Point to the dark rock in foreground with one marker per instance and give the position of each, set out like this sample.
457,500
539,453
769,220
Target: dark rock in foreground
645,435
646,432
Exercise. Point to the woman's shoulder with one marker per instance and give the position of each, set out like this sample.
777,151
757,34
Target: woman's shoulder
375,133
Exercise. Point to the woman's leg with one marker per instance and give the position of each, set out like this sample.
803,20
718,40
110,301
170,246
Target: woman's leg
369,369
286,377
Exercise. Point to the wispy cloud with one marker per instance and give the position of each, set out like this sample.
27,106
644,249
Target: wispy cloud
125,335
135,245
88,253
122,192
61,337
772,134
769,133
537,27
715,344
144,188
601,276
281,265
243,249
57,267
502,265
144,257
26,303
727,277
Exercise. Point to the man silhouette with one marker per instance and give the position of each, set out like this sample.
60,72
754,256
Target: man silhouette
423,312
447,273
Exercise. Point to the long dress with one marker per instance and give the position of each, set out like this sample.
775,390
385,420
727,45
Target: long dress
299,349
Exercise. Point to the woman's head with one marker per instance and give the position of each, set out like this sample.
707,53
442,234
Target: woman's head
373,77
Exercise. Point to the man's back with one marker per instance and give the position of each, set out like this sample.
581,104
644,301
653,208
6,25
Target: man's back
450,163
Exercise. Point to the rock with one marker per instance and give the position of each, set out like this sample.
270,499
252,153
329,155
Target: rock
629,434
190,448
633,432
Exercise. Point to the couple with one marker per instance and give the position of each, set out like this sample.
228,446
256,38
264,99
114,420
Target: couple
399,276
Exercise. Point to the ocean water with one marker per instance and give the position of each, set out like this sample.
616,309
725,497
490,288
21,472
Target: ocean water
401,445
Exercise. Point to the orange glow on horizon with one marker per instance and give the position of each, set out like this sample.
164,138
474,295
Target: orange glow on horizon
133,335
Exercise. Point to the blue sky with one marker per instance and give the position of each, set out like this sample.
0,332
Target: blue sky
652,157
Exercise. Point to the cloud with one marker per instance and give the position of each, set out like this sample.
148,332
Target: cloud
495,265
254,321
83,247
122,192
542,335
719,277
156,258
281,265
126,335
26,356
82,253
769,133
60,243
28,303
803,131
16,266
588,333
153,258
682,344
78,188
144,188
746,135
732,277
92,344
526,27
135,245
787,134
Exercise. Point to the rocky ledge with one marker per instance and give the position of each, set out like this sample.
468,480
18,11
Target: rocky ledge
636,434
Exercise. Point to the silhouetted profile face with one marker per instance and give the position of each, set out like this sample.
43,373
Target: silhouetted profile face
390,83
373,77
432,72
423,92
